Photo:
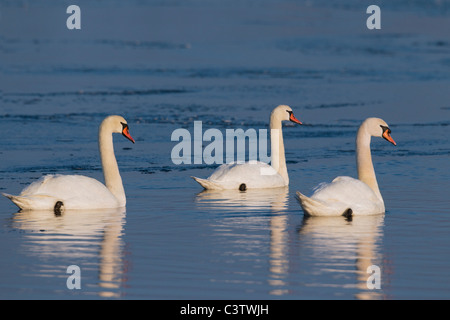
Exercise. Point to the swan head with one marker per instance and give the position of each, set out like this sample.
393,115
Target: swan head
284,113
378,128
117,124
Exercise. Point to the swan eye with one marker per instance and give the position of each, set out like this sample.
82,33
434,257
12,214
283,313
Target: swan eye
385,129
126,132
387,134
292,117
125,128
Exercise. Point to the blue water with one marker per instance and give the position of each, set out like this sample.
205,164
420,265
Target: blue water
165,64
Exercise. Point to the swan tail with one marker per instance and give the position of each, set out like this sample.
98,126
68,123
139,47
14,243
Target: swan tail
208,184
30,203
313,207
22,202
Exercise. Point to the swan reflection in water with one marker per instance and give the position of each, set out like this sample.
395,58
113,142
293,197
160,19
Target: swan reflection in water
250,200
77,237
343,247
336,246
253,210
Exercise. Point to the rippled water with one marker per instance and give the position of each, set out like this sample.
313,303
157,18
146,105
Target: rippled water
164,65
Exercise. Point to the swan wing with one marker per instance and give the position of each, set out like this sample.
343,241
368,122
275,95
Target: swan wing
35,202
208,184
313,207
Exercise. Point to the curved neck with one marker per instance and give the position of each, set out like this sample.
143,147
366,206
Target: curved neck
113,181
366,172
278,158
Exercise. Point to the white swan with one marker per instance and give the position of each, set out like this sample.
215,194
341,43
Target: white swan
254,174
57,192
346,195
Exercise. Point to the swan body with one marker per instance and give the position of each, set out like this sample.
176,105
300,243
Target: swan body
80,192
346,195
255,174
74,191
340,196
252,175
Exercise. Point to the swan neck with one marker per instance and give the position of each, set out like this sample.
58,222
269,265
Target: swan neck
366,171
278,158
113,180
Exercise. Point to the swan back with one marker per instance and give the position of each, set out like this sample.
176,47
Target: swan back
349,193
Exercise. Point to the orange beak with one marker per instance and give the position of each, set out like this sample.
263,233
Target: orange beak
294,119
388,137
126,134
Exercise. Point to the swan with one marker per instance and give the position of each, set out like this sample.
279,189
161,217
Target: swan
346,195
255,174
58,192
